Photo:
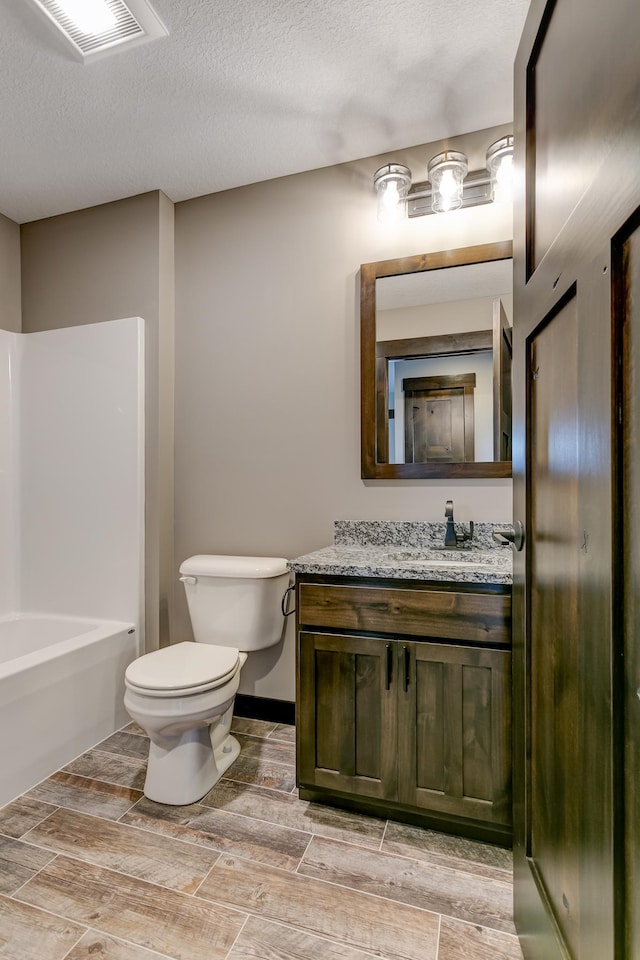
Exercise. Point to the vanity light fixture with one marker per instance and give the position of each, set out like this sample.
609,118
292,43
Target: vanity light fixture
449,185
94,28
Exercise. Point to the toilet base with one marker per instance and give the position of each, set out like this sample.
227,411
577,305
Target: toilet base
183,769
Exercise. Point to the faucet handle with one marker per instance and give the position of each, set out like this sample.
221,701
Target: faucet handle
465,535
448,509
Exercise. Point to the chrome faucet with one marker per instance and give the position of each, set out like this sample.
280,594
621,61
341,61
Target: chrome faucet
453,539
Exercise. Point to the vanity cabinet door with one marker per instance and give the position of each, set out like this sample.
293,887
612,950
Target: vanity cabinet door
454,731
348,728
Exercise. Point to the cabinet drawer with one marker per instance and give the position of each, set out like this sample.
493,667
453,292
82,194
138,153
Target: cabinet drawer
475,617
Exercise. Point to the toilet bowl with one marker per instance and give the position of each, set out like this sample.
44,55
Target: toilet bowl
183,695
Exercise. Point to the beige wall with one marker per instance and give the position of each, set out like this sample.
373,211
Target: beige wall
267,370
10,305
103,263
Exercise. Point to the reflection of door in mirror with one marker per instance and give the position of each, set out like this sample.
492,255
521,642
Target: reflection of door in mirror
428,318
438,418
502,361
479,346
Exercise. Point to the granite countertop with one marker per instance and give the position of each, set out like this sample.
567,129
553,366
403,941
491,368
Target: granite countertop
408,550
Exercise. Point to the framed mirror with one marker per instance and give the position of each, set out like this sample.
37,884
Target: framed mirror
435,348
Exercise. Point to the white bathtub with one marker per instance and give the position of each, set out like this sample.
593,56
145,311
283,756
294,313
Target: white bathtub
61,691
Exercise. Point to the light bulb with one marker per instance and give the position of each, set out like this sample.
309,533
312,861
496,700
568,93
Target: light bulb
446,173
503,188
89,16
500,166
390,206
448,190
390,195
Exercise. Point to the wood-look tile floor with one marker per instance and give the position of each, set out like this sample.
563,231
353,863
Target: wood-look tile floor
92,870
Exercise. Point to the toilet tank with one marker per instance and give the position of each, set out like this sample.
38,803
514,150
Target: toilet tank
235,601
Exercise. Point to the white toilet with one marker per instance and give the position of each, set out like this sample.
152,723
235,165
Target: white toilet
183,695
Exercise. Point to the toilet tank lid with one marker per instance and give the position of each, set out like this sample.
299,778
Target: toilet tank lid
250,568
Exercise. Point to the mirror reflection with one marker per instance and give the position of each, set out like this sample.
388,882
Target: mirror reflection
436,364
435,330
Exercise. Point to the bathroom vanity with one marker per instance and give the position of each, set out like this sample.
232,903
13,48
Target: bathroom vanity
404,677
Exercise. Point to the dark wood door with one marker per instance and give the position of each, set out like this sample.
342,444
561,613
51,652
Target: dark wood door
454,748
348,729
439,419
576,461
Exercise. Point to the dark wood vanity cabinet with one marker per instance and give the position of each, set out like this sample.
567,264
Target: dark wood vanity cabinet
404,700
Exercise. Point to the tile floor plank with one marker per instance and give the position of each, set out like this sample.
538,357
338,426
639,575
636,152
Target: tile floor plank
27,933
107,768
347,916
21,815
263,940
100,946
176,924
449,850
262,773
147,856
255,728
221,831
19,861
287,810
108,800
125,744
275,750
284,732
477,899
465,941
134,727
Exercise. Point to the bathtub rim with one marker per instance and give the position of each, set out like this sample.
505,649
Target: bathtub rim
100,630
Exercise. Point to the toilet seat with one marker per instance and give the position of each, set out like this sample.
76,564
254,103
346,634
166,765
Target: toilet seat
182,669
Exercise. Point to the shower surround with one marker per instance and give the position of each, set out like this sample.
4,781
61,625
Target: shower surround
71,540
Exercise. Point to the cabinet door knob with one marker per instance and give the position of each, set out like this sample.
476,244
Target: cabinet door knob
389,673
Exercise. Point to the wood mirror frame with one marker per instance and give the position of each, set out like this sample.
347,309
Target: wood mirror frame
374,422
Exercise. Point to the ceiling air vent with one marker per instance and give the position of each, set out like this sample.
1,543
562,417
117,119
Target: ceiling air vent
118,25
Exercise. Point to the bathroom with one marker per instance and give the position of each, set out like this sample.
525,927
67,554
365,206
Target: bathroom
250,298
265,470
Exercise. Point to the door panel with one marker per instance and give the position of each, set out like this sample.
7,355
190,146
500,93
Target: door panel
348,740
431,763
582,76
478,735
434,426
554,822
454,705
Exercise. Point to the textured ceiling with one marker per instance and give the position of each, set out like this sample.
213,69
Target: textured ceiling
241,92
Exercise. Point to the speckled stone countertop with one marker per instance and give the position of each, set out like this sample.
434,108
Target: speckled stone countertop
408,550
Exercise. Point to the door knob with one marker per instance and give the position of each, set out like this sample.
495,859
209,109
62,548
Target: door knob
512,534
